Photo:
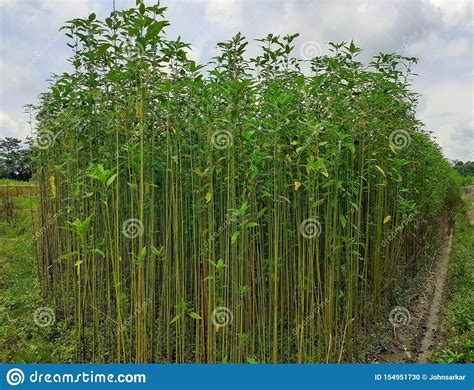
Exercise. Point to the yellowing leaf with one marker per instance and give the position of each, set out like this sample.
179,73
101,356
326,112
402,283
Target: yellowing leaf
216,327
208,197
387,219
381,170
325,171
52,183
392,148
294,142
297,185
139,109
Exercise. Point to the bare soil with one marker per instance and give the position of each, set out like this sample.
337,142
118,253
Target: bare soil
414,341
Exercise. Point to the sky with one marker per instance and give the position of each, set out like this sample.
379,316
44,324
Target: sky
438,32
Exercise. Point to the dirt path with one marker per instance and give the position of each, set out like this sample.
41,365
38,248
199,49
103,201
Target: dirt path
415,338
434,318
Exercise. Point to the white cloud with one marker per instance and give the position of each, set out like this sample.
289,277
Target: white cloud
439,32
226,14
448,113
453,11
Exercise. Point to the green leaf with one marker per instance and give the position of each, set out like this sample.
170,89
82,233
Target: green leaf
318,203
155,29
194,315
111,179
176,318
220,264
235,236
343,220
102,49
251,224
142,255
157,252
68,255
99,252
243,208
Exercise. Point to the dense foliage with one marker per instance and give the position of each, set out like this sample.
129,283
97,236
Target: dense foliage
464,169
243,212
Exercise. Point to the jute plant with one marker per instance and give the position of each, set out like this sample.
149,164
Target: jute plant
233,213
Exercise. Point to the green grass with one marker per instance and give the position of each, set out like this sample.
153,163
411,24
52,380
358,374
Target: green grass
458,343
467,180
21,340
4,182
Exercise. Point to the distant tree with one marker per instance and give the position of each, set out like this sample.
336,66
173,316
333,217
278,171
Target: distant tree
15,160
464,169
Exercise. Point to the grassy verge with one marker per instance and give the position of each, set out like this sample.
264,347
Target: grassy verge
458,341
22,340
4,182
